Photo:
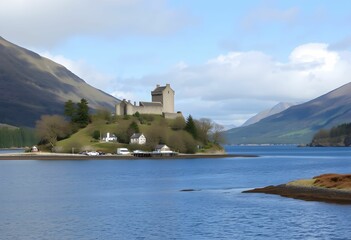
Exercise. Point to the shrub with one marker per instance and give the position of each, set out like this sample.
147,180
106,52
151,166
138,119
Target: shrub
96,135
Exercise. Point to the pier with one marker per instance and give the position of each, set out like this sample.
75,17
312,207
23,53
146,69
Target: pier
154,154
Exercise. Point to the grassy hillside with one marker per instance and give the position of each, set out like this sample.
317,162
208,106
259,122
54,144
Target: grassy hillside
156,129
284,132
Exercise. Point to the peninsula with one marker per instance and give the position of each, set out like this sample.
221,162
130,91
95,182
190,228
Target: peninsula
331,188
149,127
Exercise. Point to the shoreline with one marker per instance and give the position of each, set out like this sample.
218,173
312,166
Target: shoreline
313,189
59,156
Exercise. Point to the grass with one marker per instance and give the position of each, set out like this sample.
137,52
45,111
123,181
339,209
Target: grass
302,183
336,182
83,140
301,132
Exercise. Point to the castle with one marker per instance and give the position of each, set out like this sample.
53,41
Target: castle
162,104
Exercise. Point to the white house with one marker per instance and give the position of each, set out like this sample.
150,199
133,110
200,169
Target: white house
138,138
34,149
162,148
109,138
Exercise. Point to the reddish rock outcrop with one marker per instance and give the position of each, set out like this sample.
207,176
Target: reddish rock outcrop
331,188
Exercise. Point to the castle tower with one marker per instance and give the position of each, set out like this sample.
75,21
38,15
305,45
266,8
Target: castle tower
164,95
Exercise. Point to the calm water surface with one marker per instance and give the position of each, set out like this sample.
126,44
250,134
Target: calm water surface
105,199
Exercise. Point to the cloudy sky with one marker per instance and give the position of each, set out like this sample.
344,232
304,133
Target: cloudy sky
226,60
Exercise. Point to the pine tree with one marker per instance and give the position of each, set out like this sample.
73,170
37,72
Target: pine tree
17,137
82,117
190,127
70,109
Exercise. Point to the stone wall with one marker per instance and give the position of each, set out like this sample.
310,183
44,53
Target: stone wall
162,102
127,108
172,115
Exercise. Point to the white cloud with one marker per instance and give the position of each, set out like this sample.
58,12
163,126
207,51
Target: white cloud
47,22
124,95
85,71
121,88
316,54
181,65
236,85
232,87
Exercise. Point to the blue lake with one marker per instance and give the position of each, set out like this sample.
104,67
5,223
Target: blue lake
141,199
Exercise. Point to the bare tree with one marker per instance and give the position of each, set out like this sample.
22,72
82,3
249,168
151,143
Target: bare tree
204,127
217,134
52,127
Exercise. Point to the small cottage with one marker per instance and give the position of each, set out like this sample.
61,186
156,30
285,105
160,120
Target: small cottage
138,138
162,148
34,149
109,138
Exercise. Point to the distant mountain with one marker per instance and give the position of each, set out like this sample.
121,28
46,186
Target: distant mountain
31,85
269,112
229,126
298,123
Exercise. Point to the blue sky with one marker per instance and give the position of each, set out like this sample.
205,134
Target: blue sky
226,60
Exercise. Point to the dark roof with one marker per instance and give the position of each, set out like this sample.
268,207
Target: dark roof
136,135
154,104
158,90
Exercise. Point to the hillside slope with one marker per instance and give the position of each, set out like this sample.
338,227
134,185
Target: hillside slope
298,123
32,85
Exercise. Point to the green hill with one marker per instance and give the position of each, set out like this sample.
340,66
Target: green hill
156,129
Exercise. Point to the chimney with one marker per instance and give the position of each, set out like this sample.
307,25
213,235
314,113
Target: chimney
168,85
158,85
134,103
129,101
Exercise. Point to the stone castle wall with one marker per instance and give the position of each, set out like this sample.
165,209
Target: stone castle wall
162,103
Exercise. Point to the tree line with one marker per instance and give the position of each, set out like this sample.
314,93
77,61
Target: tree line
336,136
17,137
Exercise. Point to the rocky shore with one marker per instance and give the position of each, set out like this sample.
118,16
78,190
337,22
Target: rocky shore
331,188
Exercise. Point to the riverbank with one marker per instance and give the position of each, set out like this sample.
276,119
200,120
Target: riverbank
62,156
331,188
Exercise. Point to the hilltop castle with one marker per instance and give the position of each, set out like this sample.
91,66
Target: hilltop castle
162,104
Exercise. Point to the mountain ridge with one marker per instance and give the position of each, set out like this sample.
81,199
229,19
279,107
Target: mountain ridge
32,85
298,123
268,112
